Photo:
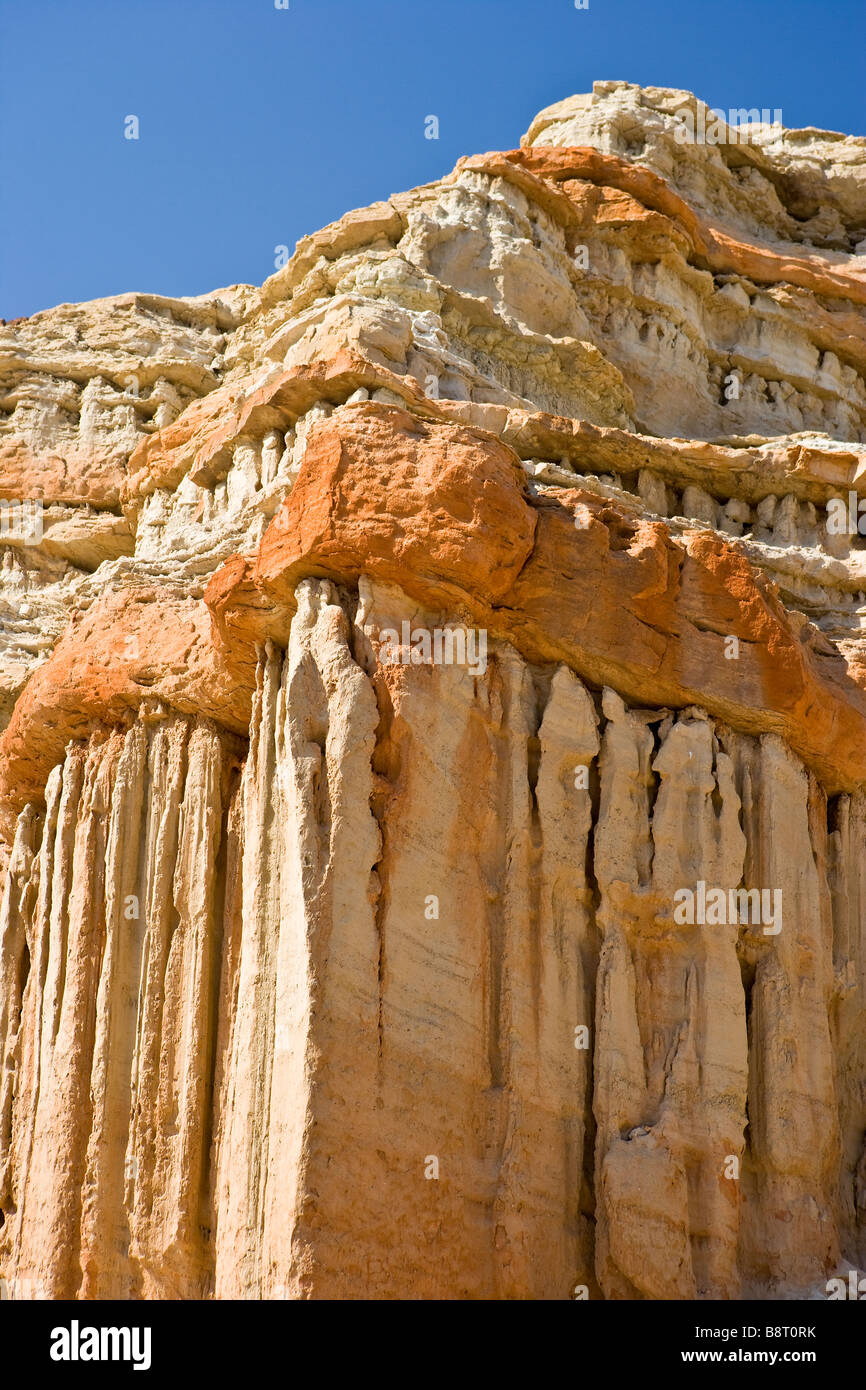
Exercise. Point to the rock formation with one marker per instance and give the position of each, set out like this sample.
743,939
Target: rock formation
433,767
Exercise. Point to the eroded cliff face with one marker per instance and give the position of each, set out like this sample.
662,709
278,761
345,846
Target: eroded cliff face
433,773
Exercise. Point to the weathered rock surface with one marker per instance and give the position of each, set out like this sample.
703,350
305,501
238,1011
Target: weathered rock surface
529,966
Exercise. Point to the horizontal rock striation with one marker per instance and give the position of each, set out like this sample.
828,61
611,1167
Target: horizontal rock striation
432,767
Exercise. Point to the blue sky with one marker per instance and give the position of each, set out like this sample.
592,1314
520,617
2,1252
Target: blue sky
258,125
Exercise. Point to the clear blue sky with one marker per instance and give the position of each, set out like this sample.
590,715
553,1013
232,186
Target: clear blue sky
258,125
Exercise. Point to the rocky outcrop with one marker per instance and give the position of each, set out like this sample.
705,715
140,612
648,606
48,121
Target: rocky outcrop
433,772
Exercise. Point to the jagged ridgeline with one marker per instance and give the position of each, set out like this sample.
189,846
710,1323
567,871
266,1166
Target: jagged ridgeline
433,772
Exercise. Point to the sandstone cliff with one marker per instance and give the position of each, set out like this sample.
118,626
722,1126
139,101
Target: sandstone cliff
327,971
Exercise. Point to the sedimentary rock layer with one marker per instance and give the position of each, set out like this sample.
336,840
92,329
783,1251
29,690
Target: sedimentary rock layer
432,767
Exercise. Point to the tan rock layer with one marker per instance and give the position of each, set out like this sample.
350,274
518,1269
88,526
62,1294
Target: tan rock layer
242,1090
